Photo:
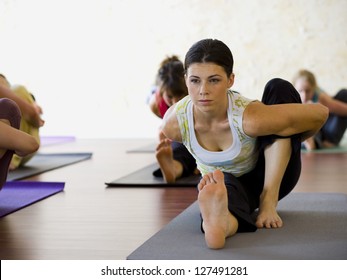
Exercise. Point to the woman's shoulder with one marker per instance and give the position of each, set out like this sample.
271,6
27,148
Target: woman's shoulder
182,104
238,99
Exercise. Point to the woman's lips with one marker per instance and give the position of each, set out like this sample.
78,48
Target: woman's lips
205,101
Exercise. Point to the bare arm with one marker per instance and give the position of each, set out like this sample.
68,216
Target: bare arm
284,119
30,112
335,106
14,139
170,125
154,106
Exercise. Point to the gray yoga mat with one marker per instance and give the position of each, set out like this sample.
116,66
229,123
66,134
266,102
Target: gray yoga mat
41,163
315,227
144,178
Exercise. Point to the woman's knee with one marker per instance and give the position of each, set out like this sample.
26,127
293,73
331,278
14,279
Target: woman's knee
279,91
341,95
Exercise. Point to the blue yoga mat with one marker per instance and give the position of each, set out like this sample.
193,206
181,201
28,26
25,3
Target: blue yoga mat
17,195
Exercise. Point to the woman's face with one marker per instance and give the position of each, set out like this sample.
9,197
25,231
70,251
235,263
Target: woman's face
169,99
305,89
207,85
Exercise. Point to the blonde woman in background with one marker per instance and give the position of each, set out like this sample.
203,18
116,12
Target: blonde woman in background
12,140
333,130
30,121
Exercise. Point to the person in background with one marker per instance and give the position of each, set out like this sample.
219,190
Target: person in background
173,158
30,124
333,130
12,140
169,86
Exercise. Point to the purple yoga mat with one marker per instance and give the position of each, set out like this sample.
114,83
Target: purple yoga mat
19,194
54,140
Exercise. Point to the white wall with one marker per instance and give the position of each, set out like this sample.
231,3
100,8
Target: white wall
90,63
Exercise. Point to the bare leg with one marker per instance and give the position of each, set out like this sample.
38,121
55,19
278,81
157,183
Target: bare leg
218,222
3,151
171,168
5,159
276,160
310,144
26,127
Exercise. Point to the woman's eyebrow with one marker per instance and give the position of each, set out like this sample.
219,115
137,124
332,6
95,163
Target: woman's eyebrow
209,77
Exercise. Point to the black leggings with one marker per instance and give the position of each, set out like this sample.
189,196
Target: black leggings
244,191
335,127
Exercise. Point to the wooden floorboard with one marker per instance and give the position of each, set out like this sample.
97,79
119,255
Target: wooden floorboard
90,221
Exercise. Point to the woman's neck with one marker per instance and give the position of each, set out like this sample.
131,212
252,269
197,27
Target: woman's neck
217,114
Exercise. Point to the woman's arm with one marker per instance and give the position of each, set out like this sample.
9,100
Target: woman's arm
30,112
284,119
335,106
16,140
170,126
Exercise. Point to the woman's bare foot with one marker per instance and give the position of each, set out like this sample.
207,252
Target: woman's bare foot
268,216
165,159
327,144
12,167
218,222
310,144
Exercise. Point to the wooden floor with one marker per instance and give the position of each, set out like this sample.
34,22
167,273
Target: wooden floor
90,221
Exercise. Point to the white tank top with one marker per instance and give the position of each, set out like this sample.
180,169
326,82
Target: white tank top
239,158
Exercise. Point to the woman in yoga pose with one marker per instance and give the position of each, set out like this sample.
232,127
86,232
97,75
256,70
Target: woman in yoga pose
247,151
333,130
12,140
20,92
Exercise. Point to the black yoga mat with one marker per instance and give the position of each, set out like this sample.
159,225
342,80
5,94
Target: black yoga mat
144,177
315,227
41,163
17,195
